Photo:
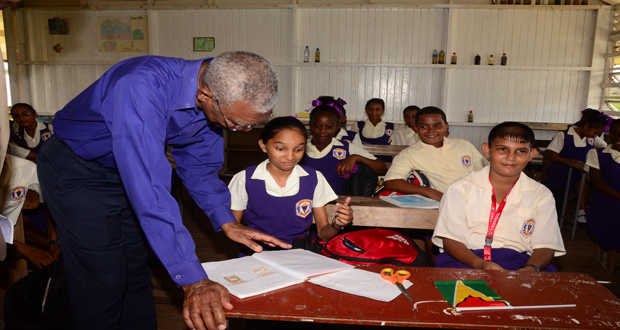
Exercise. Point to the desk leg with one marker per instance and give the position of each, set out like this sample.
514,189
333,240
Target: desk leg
570,173
583,181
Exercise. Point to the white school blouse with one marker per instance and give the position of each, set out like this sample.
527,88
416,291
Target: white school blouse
323,193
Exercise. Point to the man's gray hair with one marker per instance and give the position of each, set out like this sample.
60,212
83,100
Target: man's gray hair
242,76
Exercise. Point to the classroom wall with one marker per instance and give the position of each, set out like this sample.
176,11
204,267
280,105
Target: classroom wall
554,67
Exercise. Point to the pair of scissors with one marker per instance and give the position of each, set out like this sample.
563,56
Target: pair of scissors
397,278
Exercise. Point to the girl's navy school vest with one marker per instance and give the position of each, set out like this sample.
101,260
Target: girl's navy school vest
389,130
286,217
46,133
327,165
349,137
557,173
603,216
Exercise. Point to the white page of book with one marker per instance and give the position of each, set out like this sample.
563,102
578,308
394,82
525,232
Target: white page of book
7,229
247,276
301,263
360,283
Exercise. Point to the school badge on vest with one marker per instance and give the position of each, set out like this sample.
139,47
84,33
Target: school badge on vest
466,161
389,132
18,193
46,135
339,154
528,228
303,208
590,141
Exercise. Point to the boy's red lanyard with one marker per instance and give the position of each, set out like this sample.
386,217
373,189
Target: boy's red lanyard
496,212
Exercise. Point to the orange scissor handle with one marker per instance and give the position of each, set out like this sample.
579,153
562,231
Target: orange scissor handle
398,277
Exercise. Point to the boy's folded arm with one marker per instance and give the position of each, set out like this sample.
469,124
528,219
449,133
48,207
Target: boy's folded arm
460,252
375,165
404,187
540,258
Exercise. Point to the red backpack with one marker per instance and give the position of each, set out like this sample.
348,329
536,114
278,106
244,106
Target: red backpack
376,246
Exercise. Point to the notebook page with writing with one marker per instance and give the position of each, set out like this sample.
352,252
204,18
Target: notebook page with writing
301,263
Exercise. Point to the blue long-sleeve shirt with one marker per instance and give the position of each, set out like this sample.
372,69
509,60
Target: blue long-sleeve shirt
124,120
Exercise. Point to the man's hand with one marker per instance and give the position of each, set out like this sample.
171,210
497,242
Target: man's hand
204,303
247,236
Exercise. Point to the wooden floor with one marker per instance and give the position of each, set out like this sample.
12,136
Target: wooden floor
211,246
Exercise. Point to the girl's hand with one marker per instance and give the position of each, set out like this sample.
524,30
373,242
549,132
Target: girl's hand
346,166
344,213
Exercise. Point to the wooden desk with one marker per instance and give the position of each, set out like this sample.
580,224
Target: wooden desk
383,150
374,212
597,307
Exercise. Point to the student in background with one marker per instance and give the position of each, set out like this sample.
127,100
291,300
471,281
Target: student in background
334,159
521,232
407,135
20,185
604,167
280,197
572,145
441,159
27,134
342,134
375,130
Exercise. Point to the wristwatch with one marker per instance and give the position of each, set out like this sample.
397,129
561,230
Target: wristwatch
336,226
54,241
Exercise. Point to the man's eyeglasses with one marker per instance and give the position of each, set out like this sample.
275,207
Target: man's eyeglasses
23,114
236,126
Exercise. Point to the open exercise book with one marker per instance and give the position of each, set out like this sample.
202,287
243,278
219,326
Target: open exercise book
271,270
412,201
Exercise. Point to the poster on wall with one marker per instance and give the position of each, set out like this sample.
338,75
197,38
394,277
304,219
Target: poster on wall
123,33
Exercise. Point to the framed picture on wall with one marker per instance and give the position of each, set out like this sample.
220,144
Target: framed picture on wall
204,44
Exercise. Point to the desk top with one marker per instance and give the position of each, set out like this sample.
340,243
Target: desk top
375,212
597,307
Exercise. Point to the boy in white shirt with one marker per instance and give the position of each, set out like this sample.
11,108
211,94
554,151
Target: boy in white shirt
441,159
407,135
498,218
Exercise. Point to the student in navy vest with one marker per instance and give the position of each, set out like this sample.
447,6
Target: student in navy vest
27,133
342,134
572,145
375,130
334,159
281,198
604,168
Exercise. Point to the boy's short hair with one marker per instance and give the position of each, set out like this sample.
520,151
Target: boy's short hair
324,108
409,108
512,131
614,123
430,111
375,100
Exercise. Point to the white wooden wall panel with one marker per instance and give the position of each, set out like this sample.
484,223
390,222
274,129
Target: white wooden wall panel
557,38
398,86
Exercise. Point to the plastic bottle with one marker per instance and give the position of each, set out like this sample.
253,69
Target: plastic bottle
306,54
453,59
435,57
477,59
317,56
442,57
470,116
504,59
493,2
491,60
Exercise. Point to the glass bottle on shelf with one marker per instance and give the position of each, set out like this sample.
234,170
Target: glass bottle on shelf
491,60
317,56
442,57
435,56
502,2
527,2
453,59
504,59
551,2
306,54
470,116
477,59
493,2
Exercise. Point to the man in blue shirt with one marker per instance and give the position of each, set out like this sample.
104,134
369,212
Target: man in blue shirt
107,181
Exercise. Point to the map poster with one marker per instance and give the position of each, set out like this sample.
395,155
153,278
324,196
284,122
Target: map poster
123,33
